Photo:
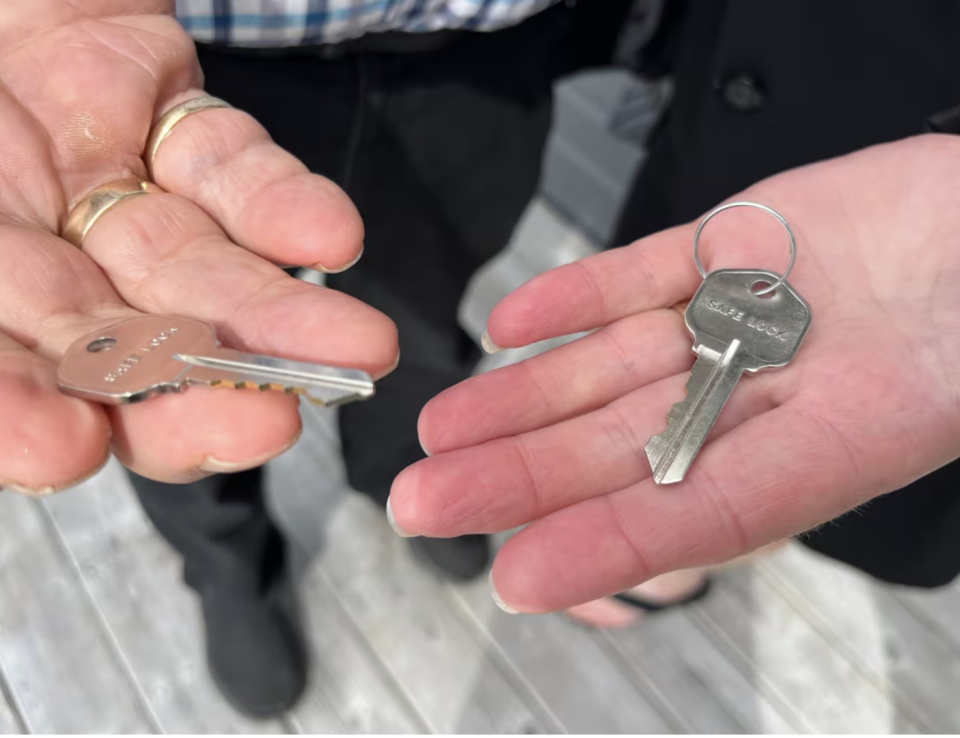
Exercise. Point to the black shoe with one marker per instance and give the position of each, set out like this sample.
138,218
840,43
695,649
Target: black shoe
456,559
256,650
634,600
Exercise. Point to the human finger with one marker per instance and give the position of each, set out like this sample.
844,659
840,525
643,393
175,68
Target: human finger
570,380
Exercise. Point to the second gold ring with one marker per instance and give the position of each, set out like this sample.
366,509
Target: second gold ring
97,202
171,119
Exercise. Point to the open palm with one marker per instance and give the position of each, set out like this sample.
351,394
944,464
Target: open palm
557,442
82,84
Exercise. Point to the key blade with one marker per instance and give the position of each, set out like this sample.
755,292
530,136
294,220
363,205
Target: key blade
711,382
329,386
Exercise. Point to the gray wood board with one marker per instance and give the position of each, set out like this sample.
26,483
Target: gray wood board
59,661
561,663
695,679
554,664
136,581
542,240
445,673
442,670
793,664
9,720
130,565
304,488
938,609
349,683
911,663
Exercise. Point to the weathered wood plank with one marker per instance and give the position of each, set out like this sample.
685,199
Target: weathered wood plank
587,170
9,722
792,664
706,692
309,494
305,485
135,579
321,474
400,609
455,686
864,620
542,240
348,682
564,666
939,609
60,665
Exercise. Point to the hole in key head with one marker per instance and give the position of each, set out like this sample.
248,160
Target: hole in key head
101,344
759,286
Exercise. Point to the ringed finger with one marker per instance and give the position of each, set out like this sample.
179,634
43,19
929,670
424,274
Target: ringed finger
51,295
658,271
164,255
655,272
263,197
512,481
570,380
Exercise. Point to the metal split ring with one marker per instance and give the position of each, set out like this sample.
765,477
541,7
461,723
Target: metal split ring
758,206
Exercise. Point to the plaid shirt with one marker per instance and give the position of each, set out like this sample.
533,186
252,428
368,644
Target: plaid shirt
295,22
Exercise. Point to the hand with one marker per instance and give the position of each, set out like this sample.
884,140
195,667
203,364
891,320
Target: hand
83,82
869,404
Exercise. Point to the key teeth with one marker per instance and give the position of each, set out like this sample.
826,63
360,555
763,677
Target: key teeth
675,415
677,410
245,384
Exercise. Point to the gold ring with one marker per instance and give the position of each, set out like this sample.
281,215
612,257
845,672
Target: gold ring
171,118
99,201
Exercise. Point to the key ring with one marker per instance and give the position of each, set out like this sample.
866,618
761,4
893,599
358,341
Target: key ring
758,206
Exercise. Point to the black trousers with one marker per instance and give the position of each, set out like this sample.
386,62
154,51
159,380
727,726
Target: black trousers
440,148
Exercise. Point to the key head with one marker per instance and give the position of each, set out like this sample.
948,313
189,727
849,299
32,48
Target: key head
133,360
770,328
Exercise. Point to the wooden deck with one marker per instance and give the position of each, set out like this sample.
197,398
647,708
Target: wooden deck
98,634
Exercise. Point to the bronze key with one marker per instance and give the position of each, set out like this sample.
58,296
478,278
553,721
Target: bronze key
142,357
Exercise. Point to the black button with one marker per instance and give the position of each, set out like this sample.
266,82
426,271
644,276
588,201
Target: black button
743,93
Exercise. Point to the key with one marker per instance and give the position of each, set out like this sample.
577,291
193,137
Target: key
734,331
150,355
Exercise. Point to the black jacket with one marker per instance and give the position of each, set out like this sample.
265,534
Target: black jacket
762,86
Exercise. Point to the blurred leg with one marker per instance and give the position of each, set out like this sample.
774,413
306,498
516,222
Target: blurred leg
235,558
447,160
234,554
221,528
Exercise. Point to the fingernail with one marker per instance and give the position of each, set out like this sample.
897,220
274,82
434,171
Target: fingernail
499,600
389,370
52,490
424,448
213,465
488,345
338,270
27,491
395,525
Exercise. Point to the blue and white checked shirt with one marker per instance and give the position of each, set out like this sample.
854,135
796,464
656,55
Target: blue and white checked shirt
296,22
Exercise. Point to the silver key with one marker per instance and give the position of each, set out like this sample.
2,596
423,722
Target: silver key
734,331
142,357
